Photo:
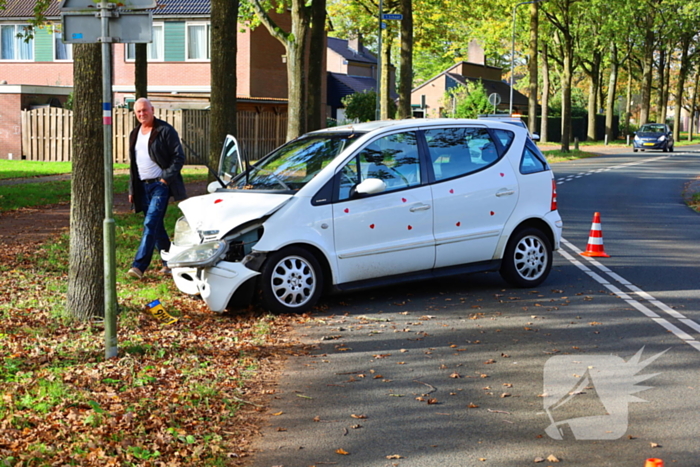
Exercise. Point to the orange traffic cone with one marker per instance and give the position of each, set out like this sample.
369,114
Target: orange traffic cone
654,463
595,239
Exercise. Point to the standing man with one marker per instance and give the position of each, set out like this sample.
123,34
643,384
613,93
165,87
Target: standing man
156,157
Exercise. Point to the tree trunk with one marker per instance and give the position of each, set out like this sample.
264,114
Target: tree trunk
406,63
663,104
317,72
296,72
693,105
628,105
141,70
593,91
680,84
85,297
612,91
224,44
545,95
647,68
384,84
661,112
532,68
566,92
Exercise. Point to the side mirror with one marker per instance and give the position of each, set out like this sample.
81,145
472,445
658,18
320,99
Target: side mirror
230,163
213,186
535,137
371,186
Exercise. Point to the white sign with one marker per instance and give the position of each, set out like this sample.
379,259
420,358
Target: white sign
128,27
91,5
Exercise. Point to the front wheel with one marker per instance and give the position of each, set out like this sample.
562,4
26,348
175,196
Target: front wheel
291,281
528,258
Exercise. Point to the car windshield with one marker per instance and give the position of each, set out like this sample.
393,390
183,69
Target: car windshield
293,165
652,128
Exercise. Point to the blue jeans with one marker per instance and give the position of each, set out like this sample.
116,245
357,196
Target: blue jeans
155,203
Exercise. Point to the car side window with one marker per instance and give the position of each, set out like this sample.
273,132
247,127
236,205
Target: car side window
392,159
455,152
532,161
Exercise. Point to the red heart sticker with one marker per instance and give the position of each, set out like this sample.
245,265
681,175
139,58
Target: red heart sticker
346,210
492,213
458,224
404,199
218,201
451,190
410,227
502,174
371,226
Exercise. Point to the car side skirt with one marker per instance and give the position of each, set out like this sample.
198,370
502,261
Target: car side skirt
429,274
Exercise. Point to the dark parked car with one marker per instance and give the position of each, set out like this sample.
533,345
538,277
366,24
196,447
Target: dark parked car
653,136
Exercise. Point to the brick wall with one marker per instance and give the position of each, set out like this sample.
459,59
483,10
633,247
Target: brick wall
10,135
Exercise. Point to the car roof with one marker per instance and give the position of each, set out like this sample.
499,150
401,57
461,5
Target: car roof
410,123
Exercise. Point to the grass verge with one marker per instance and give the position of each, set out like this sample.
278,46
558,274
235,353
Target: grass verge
185,393
29,169
27,195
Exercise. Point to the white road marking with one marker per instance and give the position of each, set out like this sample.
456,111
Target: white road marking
646,311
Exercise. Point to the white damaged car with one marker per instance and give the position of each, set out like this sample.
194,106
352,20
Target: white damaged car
367,205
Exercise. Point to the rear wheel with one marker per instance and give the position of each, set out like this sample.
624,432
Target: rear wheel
634,150
291,281
528,258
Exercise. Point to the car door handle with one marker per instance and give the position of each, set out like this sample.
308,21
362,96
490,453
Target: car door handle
504,193
420,207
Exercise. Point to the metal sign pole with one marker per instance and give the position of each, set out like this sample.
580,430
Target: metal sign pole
110,285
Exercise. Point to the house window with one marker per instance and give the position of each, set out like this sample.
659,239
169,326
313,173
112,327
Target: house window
155,48
61,50
13,47
198,35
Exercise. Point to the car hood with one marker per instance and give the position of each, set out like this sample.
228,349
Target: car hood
225,211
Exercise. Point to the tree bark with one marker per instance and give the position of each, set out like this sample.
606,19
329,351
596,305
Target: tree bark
141,70
532,68
294,43
545,95
593,91
647,68
406,63
612,91
85,297
680,85
567,72
693,105
224,44
384,83
317,73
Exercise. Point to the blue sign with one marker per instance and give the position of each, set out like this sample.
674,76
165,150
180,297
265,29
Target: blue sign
392,16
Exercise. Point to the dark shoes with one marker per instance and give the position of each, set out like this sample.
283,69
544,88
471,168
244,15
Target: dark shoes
165,271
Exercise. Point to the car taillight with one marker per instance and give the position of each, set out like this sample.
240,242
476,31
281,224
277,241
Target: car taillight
554,196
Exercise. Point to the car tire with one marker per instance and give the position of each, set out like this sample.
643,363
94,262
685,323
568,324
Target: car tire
291,281
527,259
635,150
670,149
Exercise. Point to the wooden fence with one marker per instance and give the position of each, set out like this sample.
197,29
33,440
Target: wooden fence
47,133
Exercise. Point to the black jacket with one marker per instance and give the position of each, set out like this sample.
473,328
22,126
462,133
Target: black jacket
165,149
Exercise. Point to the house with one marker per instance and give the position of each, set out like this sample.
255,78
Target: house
426,99
351,68
178,63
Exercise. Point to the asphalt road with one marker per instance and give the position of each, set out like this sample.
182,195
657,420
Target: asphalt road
459,372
